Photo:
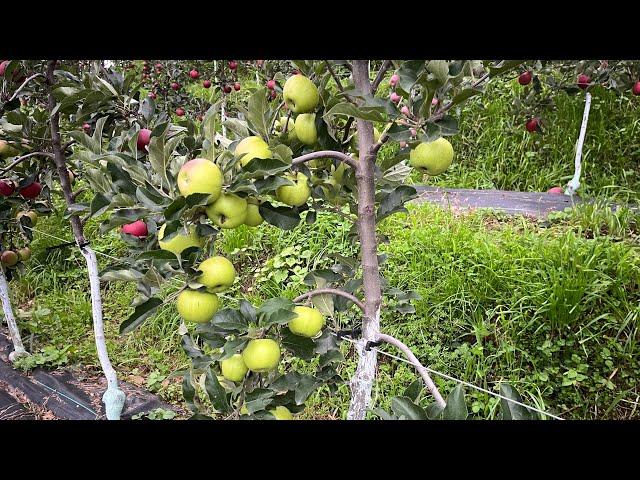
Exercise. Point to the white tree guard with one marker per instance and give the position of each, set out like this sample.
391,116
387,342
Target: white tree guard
14,333
574,184
113,398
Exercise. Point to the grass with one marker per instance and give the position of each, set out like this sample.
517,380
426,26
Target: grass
551,306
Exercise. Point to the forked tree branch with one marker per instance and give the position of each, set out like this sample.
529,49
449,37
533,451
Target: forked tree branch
383,69
332,291
24,157
326,154
416,363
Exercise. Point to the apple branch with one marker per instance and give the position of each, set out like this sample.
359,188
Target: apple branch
113,398
326,154
19,89
338,82
383,69
332,291
416,363
24,157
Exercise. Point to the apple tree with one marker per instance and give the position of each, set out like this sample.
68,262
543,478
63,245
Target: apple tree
175,188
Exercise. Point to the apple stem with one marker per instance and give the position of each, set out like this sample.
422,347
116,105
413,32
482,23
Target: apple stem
574,184
416,363
113,398
14,332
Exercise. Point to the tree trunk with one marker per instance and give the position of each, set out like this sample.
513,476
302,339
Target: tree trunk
362,381
14,333
113,398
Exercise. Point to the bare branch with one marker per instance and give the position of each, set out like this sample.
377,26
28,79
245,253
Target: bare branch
332,291
383,69
338,82
24,157
326,154
416,363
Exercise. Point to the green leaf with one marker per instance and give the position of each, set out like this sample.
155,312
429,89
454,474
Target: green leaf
305,387
506,66
140,314
124,274
174,211
440,69
456,408
257,112
404,408
189,392
372,114
414,389
258,399
216,392
394,201
262,167
513,411
285,218
302,347
229,319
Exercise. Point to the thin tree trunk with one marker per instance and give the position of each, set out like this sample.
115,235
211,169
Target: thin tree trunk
113,398
362,381
14,333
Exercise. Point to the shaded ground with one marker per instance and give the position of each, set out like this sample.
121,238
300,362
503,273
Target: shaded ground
62,394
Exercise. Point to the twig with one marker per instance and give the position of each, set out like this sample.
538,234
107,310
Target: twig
326,154
383,69
332,291
414,360
24,157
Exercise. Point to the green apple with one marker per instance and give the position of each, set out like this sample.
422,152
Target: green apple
7,150
229,211
261,355
181,241
233,368
200,176
31,214
306,128
218,274
24,254
294,195
291,125
253,213
10,258
281,413
308,323
338,173
250,148
432,158
300,94
196,306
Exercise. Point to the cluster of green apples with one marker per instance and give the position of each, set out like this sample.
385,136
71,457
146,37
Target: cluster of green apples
262,355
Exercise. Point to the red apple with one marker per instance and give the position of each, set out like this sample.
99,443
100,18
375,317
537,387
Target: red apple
6,188
227,89
137,229
271,84
525,78
434,101
206,83
532,125
144,137
180,112
31,191
395,78
395,98
414,132
3,67
158,66
152,95
405,111
175,85
236,86
233,64
583,81
403,144
194,74
556,191
86,127
296,72
9,258
273,94
636,88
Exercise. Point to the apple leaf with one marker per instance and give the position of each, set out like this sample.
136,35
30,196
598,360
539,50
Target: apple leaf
231,347
121,274
456,408
332,356
257,116
229,319
262,167
372,114
248,312
258,399
189,392
286,218
504,67
414,389
174,210
271,183
99,204
216,392
405,409
302,347
394,201
306,386
156,255
513,411
140,314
